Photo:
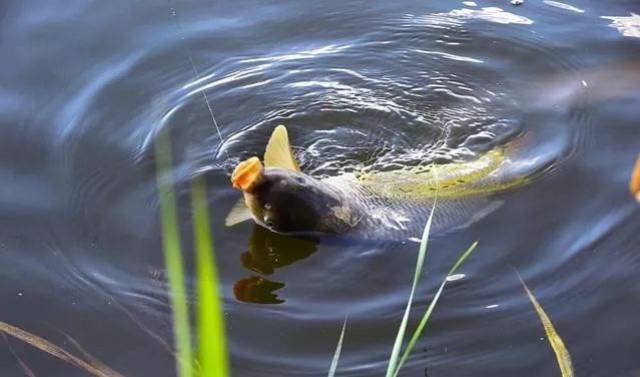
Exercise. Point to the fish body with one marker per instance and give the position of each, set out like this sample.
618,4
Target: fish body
389,204
447,181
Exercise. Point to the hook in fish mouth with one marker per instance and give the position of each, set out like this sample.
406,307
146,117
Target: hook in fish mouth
247,174
290,202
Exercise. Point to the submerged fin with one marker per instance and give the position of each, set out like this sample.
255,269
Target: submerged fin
239,213
278,153
459,213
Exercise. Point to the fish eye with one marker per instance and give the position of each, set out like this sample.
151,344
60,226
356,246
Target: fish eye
270,223
300,180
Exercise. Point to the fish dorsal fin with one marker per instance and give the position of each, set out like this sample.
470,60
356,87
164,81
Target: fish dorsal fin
278,153
238,213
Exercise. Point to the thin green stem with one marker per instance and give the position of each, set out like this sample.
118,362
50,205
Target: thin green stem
173,255
422,253
432,306
212,351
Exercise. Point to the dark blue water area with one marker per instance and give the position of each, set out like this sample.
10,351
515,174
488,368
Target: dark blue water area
86,86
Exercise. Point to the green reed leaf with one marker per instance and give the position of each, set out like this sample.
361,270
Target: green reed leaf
422,253
432,306
173,255
212,345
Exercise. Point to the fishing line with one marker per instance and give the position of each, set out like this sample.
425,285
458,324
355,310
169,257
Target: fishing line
174,13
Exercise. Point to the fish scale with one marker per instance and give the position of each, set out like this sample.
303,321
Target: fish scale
401,217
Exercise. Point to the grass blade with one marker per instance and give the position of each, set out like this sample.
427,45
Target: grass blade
432,305
173,255
212,346
462,258
562,354
86,355
25,368
336,355
98,370
422,253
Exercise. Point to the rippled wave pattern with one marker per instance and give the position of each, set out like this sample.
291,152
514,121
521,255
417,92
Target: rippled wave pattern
371,87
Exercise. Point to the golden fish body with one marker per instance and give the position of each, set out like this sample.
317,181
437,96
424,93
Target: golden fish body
369,203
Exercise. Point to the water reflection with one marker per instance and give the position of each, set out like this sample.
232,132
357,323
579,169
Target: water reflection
267,252
257,290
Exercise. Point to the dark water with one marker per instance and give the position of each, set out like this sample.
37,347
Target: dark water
85,87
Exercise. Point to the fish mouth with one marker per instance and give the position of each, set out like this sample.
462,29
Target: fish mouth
247,174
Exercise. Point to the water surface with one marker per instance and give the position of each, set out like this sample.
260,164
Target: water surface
86,86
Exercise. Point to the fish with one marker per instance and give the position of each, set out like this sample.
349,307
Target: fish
279,196
634,182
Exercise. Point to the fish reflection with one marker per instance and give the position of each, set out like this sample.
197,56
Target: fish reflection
267,252
258,290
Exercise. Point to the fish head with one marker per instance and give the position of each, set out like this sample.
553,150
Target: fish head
287,201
